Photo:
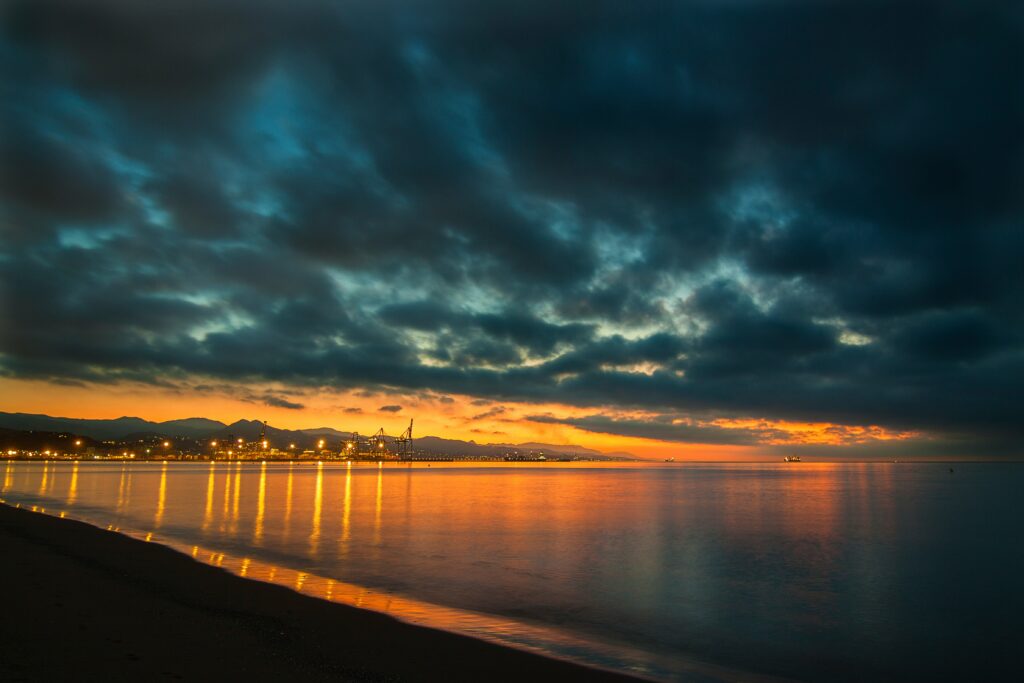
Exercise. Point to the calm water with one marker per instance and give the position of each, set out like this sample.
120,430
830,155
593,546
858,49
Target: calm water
689,572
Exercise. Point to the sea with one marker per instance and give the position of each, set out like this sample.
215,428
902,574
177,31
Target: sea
667,571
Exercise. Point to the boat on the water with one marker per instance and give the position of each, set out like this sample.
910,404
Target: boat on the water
792,458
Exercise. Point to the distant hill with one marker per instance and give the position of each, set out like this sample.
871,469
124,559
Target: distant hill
280,438
433,444
567,449
326,431
118,428
192,426
439,446
204,428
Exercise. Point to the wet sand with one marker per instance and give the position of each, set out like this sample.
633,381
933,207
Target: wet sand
82,603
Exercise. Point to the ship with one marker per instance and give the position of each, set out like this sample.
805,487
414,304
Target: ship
792,458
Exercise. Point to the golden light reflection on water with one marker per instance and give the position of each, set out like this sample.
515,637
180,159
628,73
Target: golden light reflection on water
288,501
161,502
210,484
227,496
378,506
318,505
261,505
123,488
472,529
346,509
234,503
8,475
73,485
533,637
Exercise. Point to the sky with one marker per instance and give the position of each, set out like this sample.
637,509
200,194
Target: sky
708,229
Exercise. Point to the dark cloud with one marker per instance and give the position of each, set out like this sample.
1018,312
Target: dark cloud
493,412
279,402
390,409
778,210
667,428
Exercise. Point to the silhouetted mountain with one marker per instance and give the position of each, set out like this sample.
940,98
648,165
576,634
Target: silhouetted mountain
282,438
118,428
569,449
326,431
439,446
203,428
193,426
433,444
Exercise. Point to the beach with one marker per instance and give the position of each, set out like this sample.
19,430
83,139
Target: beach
84,603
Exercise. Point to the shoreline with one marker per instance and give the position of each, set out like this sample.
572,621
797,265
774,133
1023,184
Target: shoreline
87,603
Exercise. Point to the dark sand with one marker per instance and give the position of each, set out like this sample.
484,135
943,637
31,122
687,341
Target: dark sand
81,603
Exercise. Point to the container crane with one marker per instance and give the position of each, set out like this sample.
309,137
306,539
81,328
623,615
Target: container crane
403,443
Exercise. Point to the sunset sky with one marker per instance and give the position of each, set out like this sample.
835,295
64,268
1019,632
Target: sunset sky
709,229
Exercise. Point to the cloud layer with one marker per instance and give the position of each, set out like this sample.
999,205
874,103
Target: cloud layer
781,210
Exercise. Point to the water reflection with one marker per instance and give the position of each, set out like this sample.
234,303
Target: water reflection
288,502
346,509
208,510
161,501
227,496
73,485
124,489
261,504
820,562
318,499
378,505
234,505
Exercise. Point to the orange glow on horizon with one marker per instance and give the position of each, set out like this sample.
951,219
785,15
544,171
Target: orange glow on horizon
452,417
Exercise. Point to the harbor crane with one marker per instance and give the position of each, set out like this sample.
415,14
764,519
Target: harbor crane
376,447
378,443
403,443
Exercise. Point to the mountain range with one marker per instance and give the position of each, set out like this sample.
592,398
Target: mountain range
201,428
